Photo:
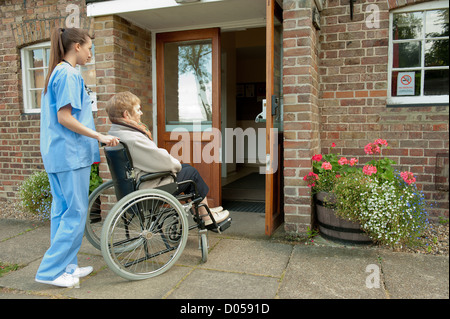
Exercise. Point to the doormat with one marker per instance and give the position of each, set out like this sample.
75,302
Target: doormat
251,181
244,206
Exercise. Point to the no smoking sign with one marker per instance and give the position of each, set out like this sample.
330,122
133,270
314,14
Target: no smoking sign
405,83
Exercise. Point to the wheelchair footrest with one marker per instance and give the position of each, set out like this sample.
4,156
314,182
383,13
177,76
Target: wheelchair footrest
223,225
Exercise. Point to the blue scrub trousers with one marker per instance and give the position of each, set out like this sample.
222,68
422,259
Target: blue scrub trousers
70,191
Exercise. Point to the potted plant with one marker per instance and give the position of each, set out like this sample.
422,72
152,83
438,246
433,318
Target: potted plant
375,198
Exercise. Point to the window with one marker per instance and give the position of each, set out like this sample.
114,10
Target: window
35,60
418,54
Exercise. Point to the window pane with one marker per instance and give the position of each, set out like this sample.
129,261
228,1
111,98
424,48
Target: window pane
437,23
407,54
35,99
47,56
407,25
188,83
406,83
436,53
37,60
37,79
436,82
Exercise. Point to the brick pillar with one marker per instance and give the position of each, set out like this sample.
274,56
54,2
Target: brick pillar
123,63
301,110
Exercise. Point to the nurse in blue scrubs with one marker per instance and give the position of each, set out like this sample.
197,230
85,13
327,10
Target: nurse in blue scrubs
69,146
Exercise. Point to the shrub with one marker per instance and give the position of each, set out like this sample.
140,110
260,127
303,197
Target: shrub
35,195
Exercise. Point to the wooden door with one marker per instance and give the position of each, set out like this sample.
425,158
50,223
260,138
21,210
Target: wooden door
188,101
274,118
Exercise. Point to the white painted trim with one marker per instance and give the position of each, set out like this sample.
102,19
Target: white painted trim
431,5
154,89
122,6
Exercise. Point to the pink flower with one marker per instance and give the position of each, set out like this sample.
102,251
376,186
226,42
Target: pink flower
311,178
369,170
343,161
317,157
381,142
408,177
327,165
372,148
353,161
333,144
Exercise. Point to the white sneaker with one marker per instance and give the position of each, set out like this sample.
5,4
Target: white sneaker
217,209
82,272
65,280
218,217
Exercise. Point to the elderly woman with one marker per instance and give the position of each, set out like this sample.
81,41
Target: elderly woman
125,113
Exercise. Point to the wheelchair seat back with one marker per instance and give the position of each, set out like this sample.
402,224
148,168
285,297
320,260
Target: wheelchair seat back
121,167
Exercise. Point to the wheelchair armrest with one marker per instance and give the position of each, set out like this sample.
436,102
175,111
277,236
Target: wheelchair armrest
152,176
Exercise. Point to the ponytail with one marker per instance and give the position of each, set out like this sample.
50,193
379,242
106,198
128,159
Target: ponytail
61,42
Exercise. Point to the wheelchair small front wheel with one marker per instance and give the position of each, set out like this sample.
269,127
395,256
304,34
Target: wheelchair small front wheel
144,234
204,247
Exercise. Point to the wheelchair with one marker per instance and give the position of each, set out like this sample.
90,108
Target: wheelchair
142,232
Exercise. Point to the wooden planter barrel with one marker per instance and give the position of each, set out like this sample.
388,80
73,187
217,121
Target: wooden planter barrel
335,228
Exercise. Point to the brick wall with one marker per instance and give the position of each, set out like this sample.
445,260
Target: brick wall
23,23
353,93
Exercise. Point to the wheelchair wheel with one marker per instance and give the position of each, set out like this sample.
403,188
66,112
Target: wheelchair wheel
204,247
100,202
144,234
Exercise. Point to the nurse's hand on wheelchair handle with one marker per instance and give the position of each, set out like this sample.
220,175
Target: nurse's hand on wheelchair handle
108,140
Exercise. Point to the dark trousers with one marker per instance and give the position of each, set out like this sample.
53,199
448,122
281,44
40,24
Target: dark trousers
190,173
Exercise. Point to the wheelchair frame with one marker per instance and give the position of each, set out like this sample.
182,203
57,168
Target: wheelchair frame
144,233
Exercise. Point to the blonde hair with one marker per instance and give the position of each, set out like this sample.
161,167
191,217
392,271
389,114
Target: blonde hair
62,40
119,103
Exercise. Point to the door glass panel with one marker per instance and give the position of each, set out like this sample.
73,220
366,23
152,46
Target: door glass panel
188,85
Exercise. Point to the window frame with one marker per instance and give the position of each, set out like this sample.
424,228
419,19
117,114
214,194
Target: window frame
26,79
420,100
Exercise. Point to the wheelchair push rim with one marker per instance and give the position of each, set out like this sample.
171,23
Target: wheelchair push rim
144,234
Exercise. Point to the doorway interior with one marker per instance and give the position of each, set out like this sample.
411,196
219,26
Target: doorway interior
243,84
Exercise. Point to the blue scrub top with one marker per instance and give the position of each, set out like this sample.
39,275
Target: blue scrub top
62,149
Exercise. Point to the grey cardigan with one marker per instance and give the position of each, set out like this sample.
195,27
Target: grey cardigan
146,156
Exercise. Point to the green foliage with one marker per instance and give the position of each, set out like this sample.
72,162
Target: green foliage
35,195
95,180
5,268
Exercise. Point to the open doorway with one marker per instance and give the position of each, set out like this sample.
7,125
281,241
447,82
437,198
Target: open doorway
243,94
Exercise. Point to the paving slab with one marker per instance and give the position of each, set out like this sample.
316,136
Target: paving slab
329,272
14,227
249,256
27,244
210,284
412,276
